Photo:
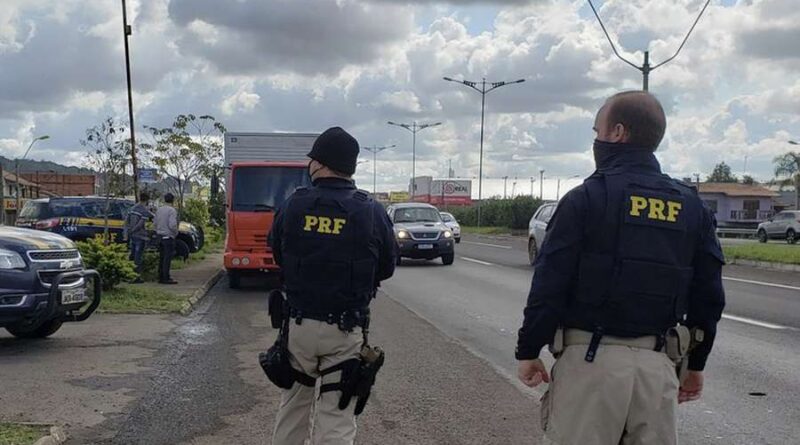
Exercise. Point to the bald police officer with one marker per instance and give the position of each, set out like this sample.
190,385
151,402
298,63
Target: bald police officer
334,245
628,255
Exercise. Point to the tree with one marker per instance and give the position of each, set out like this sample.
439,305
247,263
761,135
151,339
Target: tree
109,154
748,180
787,166
722,173
189,150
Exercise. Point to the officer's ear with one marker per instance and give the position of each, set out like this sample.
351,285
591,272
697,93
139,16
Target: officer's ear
619,133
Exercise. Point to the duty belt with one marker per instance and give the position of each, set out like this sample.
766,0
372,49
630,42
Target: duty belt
345,320
580,337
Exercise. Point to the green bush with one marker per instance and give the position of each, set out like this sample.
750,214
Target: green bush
512,213
216,210
195,211
110,260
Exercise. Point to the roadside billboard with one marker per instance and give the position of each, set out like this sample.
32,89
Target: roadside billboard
398,196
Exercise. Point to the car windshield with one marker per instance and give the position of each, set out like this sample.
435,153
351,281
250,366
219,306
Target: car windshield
261,189
416,214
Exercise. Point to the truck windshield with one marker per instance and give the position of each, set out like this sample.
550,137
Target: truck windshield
262,189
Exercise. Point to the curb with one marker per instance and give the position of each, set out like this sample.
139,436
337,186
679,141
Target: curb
199,294
57,436
766,265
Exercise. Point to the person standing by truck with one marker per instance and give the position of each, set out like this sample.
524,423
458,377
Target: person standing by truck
166,222
334,245
136,232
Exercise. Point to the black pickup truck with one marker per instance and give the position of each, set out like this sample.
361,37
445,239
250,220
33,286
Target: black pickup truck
43,283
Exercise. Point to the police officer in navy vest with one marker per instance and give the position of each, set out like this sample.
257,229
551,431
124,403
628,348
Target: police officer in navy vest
627,291
334,245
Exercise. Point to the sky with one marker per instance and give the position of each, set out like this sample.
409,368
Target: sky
731,95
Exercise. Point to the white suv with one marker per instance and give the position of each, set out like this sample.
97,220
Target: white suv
537,228
785,225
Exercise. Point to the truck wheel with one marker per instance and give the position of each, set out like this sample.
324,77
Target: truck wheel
234,279
448,259
44,330
762,236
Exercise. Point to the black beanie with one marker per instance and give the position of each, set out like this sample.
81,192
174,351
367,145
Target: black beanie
337,150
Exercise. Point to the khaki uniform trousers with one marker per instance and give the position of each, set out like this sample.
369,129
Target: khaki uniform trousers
315,346
627,396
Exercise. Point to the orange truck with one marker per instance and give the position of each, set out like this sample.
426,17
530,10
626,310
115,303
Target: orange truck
263,170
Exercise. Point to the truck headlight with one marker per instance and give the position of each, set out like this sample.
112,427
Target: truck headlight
448,234
402,234
11,260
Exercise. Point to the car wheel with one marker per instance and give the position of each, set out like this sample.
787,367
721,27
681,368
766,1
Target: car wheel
448,259
234,279
399,260
791,236
43,330
458,240
762,236
532,251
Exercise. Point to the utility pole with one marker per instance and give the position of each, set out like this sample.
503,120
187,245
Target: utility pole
375,150
505,186
646,68
2,196
483,91
541,184
532,181
126,32
414,128
19,200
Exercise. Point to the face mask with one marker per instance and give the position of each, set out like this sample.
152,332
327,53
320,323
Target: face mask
312,173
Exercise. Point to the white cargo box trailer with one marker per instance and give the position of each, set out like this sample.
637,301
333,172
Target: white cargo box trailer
267,147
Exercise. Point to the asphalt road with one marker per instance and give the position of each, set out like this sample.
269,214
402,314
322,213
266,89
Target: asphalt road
752,383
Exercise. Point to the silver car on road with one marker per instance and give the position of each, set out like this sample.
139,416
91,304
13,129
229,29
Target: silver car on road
452,224
785,225
537,228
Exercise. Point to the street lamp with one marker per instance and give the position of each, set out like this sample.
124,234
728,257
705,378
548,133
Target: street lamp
558,185
541,184
375,150
16,166
414,127
646,68
482,90
126,32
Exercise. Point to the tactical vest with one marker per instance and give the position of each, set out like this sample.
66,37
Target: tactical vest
329,251
641,232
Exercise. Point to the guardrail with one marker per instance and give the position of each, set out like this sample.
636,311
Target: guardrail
736,233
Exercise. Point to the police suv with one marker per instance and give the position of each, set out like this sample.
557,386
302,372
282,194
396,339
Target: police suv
421,233
42,283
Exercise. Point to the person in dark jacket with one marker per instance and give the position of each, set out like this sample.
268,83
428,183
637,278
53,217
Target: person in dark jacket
630,263
334,245
136,231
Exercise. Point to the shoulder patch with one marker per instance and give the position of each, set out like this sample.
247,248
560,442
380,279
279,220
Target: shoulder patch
361,195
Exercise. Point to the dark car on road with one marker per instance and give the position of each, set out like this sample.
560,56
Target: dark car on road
43,283
421,233
83,217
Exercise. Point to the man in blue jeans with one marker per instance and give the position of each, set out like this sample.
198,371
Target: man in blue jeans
136,231
166,222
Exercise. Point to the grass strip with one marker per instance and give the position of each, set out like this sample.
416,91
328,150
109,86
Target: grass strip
490,230
140,299
16,434
775,253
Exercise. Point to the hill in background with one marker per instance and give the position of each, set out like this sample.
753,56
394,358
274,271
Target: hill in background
29,165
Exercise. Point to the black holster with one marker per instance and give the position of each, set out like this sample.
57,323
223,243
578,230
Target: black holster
358,378
275,362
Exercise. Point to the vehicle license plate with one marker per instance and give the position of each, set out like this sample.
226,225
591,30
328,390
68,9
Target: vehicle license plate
425,246
70,296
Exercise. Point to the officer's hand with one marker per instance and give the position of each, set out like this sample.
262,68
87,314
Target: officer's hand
532,372
692,387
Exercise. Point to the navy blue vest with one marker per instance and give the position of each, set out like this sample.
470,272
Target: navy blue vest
641,233
329,252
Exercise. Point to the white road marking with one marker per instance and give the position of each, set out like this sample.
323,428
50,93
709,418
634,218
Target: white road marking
473,260
762,324
762,283
487,244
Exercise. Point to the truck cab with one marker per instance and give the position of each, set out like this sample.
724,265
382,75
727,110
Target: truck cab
264,169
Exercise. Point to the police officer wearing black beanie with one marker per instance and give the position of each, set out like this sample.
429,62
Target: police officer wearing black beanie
334,245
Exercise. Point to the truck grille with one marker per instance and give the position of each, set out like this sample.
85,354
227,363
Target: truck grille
425,235
47,277
53,255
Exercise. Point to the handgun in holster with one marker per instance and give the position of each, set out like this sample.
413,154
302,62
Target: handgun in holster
680,341
359,377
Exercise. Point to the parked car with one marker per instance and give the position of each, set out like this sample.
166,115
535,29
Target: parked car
42,283
451,223
421,233
785,225
537,227
80,218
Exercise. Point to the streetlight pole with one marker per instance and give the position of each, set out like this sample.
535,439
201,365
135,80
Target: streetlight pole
541,184
532,181
558,185
375,150
483,91
16,168
126,32
414,127
646,68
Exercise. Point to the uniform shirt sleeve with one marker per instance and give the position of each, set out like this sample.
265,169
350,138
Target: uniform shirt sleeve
706,294
555,274
275,234
387,244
